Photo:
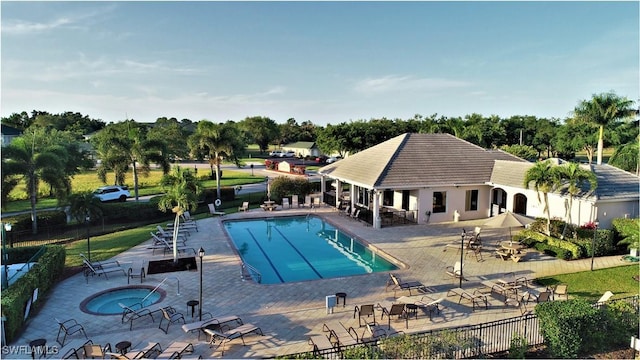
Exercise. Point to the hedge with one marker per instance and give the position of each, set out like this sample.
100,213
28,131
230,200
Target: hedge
42,277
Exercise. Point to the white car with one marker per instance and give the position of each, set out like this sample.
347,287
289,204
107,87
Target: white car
276,153
333,159
112,193
288,154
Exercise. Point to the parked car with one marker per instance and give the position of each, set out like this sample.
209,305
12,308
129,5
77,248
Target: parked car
112,193
288,154
333,159
276,153
322,159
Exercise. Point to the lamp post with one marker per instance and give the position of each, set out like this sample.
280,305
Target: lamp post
593,242
462,236
201,255
5,257
87,220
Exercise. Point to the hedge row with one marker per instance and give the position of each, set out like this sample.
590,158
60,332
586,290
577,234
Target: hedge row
50,265
570,249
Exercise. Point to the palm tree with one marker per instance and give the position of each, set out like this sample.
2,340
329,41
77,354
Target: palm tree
215,141
544,180
26,158
625,157
182,191
575,178
85,207
604,109
126,144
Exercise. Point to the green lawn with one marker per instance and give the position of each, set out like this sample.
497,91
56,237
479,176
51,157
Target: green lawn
592,284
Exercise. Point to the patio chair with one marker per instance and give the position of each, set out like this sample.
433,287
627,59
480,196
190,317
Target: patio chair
211,322
346,211
561,289
238,332
399,285
171,316
345,336
150,351
455,271
68,328
176,350
159,240
475,298
132,313
91,270
503,290
214,212
398,310
92,351
101,264
316,202
163,245
285,203
307,201
356,213
362,311
605,297
168,234
324,342
426,303
244,207
374,331
476,250
294,201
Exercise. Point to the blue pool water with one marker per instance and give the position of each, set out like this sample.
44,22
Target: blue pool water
107,302
291,249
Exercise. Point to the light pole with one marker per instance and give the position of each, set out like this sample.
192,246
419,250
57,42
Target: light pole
201,255
5,257
593,242
461,254
87,220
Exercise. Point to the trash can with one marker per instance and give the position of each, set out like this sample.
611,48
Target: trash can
331,303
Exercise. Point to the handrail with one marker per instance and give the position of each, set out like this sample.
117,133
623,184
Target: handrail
249,271
157,286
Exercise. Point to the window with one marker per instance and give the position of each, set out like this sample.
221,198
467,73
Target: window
439,201
471,200
387,198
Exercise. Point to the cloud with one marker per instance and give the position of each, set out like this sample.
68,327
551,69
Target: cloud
20,27
395,83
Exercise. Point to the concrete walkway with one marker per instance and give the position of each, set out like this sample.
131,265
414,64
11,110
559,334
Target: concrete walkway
288,314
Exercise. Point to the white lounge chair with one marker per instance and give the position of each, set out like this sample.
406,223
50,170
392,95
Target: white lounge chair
455,271
213,211
307,201
294,201
607,295
163,245
285,203
91,270
244,207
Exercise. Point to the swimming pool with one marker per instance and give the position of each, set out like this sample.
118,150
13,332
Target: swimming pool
107,302
298,248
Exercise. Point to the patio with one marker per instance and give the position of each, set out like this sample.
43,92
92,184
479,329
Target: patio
289,314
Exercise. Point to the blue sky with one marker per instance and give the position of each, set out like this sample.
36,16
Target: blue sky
326,62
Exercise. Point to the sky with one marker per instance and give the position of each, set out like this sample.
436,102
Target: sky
324,62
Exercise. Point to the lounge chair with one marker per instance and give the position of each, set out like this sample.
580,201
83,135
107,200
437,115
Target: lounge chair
398,310
211,322
503,290
294,201
159,240
170,316
176,350
476,298
362,311
134,312
356,214
605,297
150,351
346,211
561,289
410,285
375,332
92,351
424,302
168,234
316,202
91,270
67,328
345,336
455,271
285,203
307,201
324,342
101,264
166,247
244,207
214,212
235,333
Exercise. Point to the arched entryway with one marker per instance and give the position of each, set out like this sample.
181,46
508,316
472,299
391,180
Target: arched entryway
520,204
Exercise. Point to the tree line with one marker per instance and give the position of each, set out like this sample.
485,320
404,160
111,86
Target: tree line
54,147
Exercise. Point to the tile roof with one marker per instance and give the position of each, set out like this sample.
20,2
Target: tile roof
418,160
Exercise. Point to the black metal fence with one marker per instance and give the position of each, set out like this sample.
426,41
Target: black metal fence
471,341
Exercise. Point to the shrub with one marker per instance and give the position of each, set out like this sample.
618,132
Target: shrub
572,327
627,232
283,186
518,347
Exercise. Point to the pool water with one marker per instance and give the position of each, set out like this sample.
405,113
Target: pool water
300,248
107,302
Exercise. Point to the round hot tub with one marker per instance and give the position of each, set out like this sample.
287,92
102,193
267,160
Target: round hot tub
108,302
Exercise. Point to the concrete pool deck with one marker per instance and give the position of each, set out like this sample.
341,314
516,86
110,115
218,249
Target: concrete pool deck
288,314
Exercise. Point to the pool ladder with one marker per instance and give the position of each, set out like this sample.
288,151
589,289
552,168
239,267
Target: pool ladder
250,273
157,286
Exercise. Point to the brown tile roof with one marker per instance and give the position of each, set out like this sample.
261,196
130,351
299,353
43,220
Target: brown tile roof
418,160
